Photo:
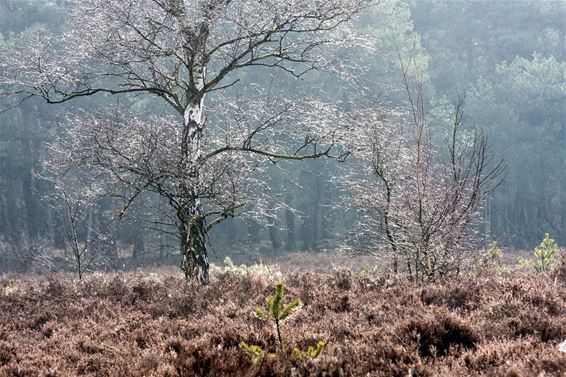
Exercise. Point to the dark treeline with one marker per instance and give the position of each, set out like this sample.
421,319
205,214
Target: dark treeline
508,58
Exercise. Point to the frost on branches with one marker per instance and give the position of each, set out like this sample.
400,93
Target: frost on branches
419,204
188,53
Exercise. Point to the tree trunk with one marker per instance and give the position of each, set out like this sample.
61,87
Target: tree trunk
34,213
193,227
59,241
13,226
193,245
252,233
290,244
306,232
103,242
274,234
138,253
316,209
193,222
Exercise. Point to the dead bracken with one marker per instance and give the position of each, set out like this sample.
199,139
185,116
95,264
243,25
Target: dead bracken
130,325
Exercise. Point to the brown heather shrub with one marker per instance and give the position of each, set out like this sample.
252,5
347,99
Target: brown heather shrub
505,324
559,272
437,332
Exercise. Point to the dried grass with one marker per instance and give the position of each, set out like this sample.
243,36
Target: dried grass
134,325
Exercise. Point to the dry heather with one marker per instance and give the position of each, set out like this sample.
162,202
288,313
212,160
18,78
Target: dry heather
131,325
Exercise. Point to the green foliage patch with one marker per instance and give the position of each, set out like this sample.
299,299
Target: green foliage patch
276,311
546,254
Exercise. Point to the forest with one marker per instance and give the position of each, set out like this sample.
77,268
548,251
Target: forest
389,174
504,61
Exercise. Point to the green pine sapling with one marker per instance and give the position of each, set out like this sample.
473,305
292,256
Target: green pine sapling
256,352
547,253
276,311
492,259
494,254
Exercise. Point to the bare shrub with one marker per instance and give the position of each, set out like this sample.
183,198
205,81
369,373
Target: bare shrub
420,205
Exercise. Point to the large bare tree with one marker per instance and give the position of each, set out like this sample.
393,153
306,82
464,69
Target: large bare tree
181,51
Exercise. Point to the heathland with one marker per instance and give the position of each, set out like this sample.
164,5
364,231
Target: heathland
506,323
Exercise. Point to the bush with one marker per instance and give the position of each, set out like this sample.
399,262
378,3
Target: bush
547,253
257,269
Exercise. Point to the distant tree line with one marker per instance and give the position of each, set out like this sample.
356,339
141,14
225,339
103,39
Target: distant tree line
508,59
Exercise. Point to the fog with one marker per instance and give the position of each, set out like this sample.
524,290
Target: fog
301,186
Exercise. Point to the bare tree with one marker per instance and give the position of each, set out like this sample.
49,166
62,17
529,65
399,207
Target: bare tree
181,51
78,190
421,203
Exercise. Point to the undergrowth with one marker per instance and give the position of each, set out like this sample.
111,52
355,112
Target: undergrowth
510,323
258,269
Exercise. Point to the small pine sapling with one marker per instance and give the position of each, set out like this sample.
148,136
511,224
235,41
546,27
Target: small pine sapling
276,311
492,259
547,254
494,254
9,287
367,271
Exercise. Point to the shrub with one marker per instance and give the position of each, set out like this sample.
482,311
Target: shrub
124,325
547,254
437,335
491,261
259,269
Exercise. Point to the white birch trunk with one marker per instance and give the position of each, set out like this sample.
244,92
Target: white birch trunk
193,223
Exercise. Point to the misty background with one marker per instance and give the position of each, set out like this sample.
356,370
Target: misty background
508,58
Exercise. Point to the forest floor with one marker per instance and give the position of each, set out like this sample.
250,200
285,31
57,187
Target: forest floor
156,324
